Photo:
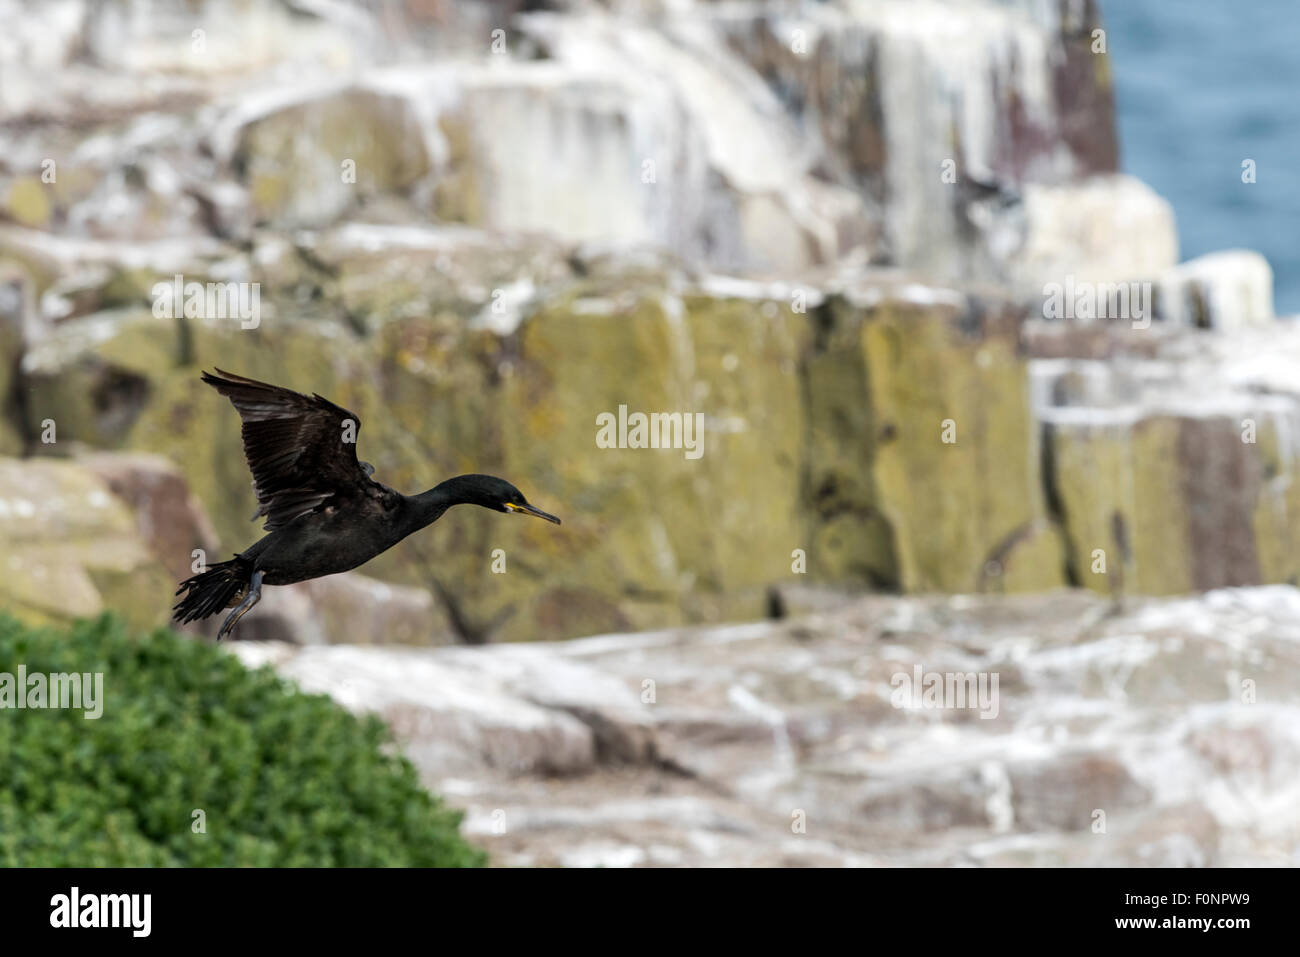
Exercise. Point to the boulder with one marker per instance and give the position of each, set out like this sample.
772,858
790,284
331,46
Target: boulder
1104,229
350,608
307,159
72,549
1225,290
168,517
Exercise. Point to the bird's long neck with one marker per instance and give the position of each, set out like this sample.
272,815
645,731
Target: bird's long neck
427,507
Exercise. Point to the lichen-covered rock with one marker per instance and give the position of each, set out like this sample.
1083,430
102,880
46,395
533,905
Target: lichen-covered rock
1165,502
635,539
956,449
480,308
71,549
799,436
168,517
115,274
374,273
1173,467
25,201
306,161
1177,472
852,541
130,380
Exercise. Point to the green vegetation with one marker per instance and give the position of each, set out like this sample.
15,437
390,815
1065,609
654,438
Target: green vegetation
282,778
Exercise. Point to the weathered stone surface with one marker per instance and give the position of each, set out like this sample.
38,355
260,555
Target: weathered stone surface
697,154
1224,290
1181,499
830,410
851,541
1145,315
17,310
124,272
374,273
956,451
1165,734
1177,472
732,134
478,308
508,264
1104,229
945,181
445,715
172,525
1064,792
168,517
71,549
307,161
347,609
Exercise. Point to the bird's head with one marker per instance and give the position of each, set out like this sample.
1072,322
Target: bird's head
498,494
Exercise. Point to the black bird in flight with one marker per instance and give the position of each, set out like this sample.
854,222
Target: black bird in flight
324,514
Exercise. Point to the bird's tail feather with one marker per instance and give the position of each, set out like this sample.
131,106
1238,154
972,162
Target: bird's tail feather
218,587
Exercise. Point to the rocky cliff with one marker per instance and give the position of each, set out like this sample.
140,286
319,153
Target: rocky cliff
877,247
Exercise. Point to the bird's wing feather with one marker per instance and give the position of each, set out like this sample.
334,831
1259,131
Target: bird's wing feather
295,446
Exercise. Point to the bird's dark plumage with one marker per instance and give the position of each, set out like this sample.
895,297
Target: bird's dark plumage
302,451
324,513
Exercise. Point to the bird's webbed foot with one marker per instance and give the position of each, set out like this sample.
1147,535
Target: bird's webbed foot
253,597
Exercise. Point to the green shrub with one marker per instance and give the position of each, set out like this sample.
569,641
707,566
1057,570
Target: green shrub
283,778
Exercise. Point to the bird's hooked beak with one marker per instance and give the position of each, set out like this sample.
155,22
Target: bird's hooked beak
529,510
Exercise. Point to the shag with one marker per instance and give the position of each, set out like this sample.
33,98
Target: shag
324,514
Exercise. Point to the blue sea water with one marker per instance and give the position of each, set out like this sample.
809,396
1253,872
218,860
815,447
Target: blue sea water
1202,85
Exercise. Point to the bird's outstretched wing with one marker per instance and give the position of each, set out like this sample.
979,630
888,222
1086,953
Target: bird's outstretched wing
301,449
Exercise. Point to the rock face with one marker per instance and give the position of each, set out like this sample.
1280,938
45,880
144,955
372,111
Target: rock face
16,309
729,133
956,450
650,534
1163,734
71,548
1175,472
287,158
168,517
879,252
874,262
